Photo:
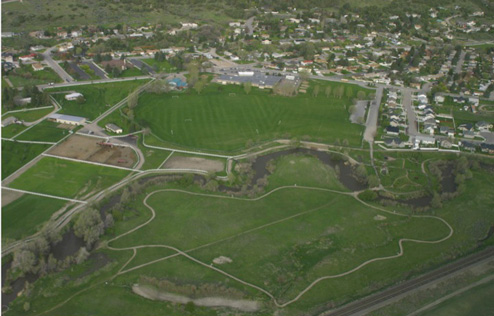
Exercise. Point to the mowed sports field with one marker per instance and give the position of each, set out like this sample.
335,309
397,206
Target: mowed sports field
225,118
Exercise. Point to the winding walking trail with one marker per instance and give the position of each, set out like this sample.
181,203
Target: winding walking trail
271,296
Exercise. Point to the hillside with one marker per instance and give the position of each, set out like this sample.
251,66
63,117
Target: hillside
45,14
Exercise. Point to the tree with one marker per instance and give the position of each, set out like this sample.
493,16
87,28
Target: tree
193,69
328,91
361,95
133,99
247,87
349,92
89,226
199,86
315,92
82,255
436,201
24,260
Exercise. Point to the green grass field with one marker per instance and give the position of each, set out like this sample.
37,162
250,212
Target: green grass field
476,301
29,116
27,76
99,97
67,178
15,155
215,121
45,131
281,242
25,215
131,72
12,130
154,157
159,66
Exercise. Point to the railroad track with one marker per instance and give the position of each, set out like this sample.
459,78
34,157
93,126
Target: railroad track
407,286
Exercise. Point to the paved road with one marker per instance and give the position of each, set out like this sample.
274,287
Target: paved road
371,123
375,301
97,70
44,195
55,66
249,28
142,66
459,64
81,83
411,117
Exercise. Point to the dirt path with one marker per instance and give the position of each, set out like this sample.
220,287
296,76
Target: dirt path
308,288
153,294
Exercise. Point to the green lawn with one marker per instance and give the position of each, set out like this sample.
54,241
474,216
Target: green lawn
99,97
159,66
153,157
476,301
27,76
12,130
15,155
289,168
45,131
67,178
25,215
29,116
281,243
215,121
131,72
89,71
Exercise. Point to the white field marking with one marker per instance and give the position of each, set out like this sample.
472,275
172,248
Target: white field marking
91,162
166,159
28,141
184,151
29,109
44,195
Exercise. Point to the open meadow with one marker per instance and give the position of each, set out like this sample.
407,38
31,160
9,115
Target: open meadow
226,119
16,155
308,247
45,131
23,217
98,97
67,178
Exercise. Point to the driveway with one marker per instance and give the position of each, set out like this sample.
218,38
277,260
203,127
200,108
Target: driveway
97,71
371,123
142,66
82,75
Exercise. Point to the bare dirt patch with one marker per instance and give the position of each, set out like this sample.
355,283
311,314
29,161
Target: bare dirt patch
222,260
179,162
66,126
379,218
87,148
153,294
10,196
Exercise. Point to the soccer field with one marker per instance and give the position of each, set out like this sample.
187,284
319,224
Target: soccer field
225,118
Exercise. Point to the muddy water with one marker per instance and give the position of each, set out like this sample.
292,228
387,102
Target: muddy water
422,201
346,176
448,184
68,246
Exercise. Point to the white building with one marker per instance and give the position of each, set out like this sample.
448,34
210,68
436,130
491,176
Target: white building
73,96
113,128
67,119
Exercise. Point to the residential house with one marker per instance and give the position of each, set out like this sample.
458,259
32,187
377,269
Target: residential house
38,66
390,130
468,146
483,126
